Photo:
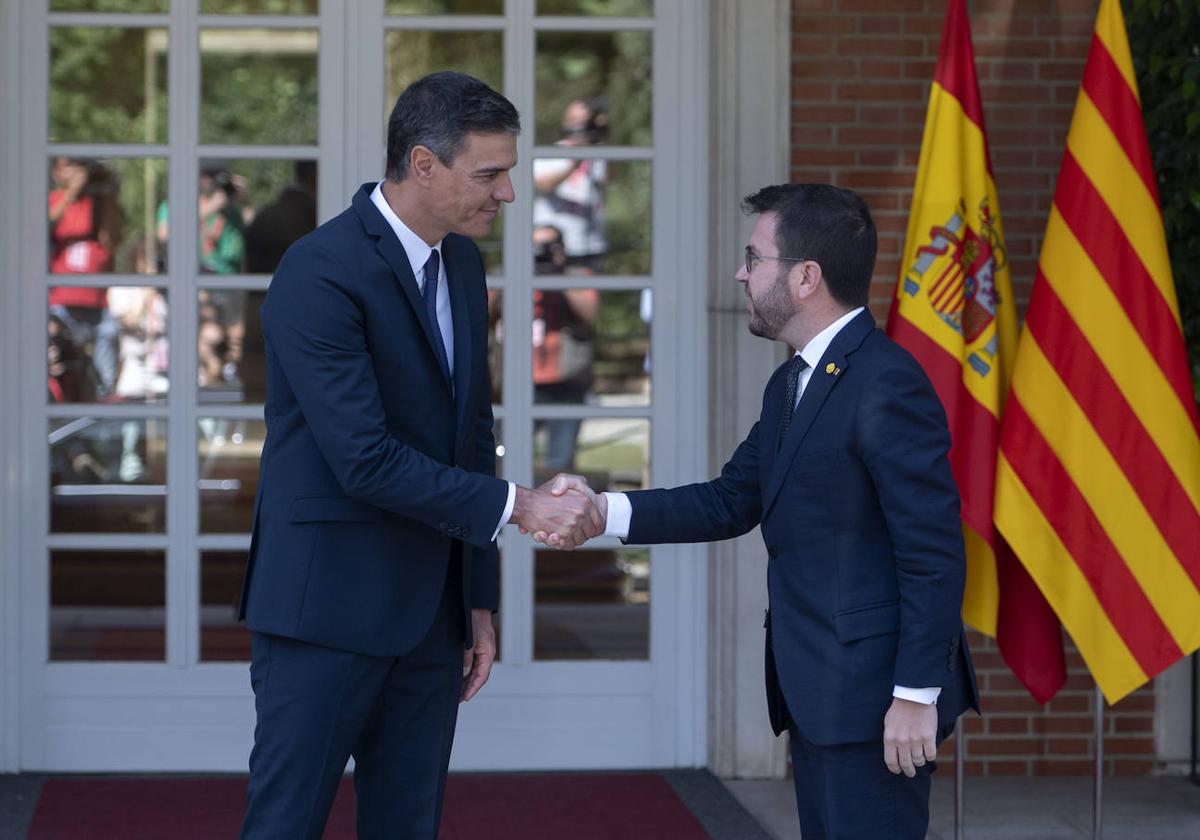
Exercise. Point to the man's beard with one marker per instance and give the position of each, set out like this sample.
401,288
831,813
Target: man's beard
770,315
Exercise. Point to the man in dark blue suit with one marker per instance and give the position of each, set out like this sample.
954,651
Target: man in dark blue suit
847,474
373,572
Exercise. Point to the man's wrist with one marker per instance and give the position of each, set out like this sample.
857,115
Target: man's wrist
924,696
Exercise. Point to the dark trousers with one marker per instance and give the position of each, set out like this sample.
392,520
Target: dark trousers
846,792
318,706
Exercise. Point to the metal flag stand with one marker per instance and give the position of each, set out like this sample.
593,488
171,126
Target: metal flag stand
1098,781
960,756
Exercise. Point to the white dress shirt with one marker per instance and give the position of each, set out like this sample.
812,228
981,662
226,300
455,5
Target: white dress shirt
418,250
620,511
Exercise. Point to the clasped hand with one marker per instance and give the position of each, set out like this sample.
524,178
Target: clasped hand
563,513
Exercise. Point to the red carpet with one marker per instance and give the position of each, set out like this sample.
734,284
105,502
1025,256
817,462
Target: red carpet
578,806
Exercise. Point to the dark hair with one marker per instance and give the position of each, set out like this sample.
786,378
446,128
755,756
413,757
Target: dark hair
826,224
438,111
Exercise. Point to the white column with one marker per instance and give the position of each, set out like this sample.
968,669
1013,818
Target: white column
750,117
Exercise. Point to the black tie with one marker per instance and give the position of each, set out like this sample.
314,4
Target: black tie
794,368
430,294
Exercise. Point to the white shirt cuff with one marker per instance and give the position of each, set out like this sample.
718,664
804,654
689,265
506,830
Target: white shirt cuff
619,513
508,508
928,696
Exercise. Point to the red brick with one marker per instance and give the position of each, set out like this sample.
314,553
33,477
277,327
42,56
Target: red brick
1006,746
824,156
827,114
888,6
879,68
1129,767
833,25
1008,725
1133,724
1012,48
809,45
864,45
1139,701
1069,746
902,136
877,25
1062,767
1007,768
1063,723
819,91
811,135
811,6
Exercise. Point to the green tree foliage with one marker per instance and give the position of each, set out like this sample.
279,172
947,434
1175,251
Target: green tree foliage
1164,37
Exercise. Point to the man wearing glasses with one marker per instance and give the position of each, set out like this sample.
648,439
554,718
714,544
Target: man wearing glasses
846,471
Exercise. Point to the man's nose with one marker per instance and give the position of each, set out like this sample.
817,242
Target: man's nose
504,190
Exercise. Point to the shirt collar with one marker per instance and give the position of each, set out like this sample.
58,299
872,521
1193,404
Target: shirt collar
815,349
415,248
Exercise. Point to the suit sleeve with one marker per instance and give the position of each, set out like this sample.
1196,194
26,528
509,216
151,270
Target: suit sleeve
485,561
314,328
904,442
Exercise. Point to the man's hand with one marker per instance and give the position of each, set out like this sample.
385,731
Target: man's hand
564,483
477,660
563,520
909,736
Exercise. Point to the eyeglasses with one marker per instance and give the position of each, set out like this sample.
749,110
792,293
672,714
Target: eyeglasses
752,257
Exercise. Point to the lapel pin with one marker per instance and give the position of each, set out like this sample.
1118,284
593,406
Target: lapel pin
832,369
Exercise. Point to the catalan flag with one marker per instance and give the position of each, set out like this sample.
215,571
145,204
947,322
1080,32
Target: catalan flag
954,312
1098,480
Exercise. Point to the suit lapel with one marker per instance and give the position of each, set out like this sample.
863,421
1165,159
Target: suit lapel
458,274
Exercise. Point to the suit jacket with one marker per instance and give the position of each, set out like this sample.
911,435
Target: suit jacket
860,516
376,469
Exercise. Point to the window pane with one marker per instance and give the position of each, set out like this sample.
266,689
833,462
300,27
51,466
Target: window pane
108,475
593,87
258,86
108,85
445,7
591,216
496,343
625,8
107,606
591,347
259,7
592,604
612,453
222,638
228,452
102,215
231,356
106,344
108,6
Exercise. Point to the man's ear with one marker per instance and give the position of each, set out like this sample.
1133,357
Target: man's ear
805,279
421,161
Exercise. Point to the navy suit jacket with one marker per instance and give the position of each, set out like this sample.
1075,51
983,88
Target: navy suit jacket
376,469
860,516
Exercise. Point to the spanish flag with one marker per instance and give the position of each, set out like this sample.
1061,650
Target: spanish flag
954,312
1098,480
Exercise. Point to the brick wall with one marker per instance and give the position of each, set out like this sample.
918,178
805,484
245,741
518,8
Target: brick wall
861,71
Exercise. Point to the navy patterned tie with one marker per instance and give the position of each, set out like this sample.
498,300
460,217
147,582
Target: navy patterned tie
430,295
794,368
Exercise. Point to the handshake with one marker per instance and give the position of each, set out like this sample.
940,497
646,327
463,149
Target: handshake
563,513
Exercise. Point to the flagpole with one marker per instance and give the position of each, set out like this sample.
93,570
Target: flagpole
960,759
1098,781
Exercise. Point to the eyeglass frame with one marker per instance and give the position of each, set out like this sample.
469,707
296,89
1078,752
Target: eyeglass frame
751,257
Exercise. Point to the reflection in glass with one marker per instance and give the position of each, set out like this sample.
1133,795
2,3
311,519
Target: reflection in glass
259,7
106,344
228,451
108,85
591,347
592,604
110,6
501,449
222,637
591,216
612,453
496,343
412,54
107,606
623,8
258,86
608,71
444,7
108,475
230,355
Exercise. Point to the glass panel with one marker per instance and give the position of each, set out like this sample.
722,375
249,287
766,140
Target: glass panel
593,87
612,453
624,8
259,7
106,344
231,356
591,216
258,86
107,606
413,54
445,7
222,638
108,85
496,343
591,347
102,215
108,475
108,6
228,451
592,604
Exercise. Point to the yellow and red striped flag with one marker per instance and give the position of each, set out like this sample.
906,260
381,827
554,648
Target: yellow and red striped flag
1098,482
954,312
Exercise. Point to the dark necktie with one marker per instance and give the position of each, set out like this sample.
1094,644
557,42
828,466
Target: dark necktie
794,368
430,295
